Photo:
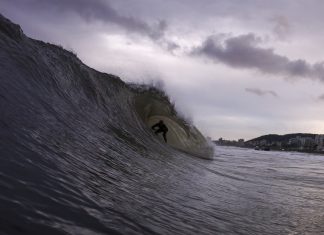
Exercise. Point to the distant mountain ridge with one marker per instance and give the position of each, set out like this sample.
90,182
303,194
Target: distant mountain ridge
281,138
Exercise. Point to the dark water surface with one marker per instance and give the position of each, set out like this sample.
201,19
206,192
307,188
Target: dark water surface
240,192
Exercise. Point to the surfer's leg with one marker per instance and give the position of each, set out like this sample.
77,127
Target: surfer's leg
164,136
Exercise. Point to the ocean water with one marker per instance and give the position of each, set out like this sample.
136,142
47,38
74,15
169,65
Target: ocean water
75,158
239,192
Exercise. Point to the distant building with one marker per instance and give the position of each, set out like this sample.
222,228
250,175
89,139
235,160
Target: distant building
240,142
307,143
223,142
319,141
295,142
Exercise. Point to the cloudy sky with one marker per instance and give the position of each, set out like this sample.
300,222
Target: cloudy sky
237,68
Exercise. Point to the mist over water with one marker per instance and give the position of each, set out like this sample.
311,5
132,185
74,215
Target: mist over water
75,158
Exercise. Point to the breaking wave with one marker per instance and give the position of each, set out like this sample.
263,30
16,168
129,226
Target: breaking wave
77,156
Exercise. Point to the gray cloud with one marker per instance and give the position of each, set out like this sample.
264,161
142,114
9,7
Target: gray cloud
282,27
244,52
96,10
321,97
259,92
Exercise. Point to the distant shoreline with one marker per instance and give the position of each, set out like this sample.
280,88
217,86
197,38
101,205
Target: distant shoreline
275,150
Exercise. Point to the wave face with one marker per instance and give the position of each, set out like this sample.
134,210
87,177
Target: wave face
77,157
153,107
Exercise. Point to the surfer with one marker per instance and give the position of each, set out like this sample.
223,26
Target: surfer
160,127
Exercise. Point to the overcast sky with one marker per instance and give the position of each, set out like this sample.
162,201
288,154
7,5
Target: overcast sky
238,69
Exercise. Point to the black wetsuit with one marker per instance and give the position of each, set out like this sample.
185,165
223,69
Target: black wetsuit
160,127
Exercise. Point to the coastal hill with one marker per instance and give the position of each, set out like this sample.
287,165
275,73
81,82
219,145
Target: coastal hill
289,142
281,138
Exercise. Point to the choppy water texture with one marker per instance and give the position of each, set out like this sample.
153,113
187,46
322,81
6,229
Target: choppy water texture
75,158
